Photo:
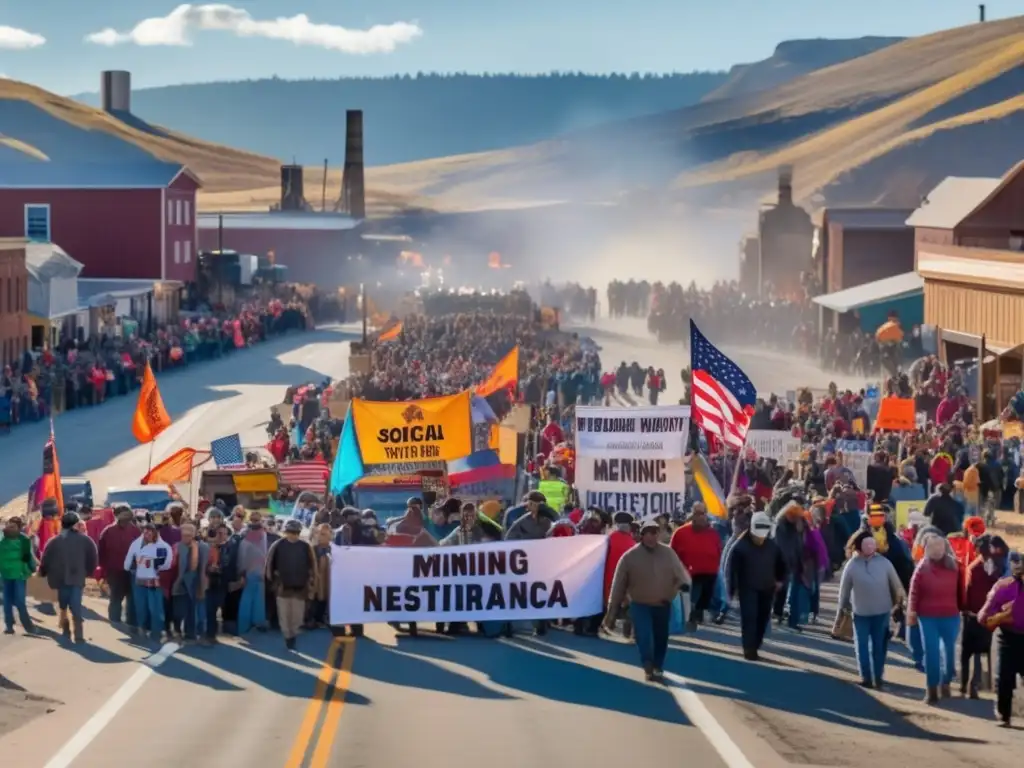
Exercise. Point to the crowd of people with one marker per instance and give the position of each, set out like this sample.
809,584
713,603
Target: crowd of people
943,580
80,373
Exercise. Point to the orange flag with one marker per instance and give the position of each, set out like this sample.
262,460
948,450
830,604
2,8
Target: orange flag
504,376
50,484
391,333
150,417
176,468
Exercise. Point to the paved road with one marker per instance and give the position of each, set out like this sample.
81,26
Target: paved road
627,339
391,700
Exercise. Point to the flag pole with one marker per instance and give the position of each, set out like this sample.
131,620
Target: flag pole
151,444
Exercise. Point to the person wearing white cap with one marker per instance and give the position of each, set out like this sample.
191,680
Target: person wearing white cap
756,571
650,575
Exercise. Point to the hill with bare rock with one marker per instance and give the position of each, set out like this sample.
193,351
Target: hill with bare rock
883,127
793,59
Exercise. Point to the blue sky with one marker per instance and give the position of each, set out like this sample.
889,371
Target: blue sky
433,35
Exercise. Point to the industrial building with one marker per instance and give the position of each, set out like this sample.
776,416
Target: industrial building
785,235
314,246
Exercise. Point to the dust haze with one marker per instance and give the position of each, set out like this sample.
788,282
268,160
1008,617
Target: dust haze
590,207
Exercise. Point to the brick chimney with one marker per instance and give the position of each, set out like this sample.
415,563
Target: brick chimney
353,189
785,185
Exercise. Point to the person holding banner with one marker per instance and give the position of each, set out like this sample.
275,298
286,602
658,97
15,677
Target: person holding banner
650,575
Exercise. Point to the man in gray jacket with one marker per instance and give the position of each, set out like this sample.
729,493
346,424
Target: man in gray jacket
67,560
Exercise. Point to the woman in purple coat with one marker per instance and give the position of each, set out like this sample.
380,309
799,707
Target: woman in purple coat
1004,612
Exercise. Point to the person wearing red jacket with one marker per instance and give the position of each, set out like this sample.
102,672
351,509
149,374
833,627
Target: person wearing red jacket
987,568
620,541
699,548
112,548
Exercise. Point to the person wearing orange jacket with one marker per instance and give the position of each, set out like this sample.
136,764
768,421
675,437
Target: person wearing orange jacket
620,541
699,548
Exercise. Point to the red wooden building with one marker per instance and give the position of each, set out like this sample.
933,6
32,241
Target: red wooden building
121,220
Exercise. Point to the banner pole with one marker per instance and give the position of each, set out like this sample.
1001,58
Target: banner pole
151,444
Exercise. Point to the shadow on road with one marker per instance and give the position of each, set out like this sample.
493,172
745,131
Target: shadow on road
539,673
773,686
88,438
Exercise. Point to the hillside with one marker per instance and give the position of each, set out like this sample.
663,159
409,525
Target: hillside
793,59
410,118
886,126
38,126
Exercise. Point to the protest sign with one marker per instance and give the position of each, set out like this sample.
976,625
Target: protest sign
433,429
631,459
774,444
909,513
897,414
856,457
501,581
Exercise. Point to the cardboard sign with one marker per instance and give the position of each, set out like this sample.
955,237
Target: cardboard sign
896,414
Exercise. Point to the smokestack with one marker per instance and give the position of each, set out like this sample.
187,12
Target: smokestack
981,13
353,189
116,91
786,185
292,197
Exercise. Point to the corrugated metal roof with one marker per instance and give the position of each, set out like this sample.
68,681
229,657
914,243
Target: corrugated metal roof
298,220
46,261
952,201
47,175
886,289
869,218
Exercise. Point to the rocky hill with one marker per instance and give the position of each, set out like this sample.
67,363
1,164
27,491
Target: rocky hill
884,127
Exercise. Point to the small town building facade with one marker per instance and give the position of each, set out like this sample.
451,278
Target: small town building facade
120,220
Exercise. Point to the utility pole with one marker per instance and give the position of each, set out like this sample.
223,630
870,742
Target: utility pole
362,300
981,13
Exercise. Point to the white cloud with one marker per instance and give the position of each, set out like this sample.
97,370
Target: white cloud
14,39
178,27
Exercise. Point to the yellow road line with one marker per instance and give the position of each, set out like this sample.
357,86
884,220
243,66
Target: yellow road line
298,752
334,707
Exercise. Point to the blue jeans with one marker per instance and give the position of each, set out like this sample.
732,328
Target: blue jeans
871,641
720,600
184,607
149,609
798,599
252,607
913,635
650,630
201,616
70,599
14,597
939,637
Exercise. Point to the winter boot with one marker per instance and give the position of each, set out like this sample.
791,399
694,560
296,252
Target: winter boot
79,632
932,696
65,625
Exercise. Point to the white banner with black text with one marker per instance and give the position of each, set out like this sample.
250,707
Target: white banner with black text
558,578
631,459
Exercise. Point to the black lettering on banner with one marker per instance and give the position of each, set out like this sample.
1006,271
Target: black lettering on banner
448,564
648,503
446,598
603,425
663,424
638,471
431,433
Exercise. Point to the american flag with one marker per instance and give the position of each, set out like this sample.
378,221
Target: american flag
722,397
305,475
227,451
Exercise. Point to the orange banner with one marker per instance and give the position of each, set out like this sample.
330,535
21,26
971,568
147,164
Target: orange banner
150,417
391,333
176,468
896,414
504,376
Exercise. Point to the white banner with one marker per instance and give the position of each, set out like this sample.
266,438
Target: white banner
774,444
557,578
648,431
631,459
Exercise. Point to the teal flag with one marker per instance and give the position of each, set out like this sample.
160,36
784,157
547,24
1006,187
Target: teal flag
348,464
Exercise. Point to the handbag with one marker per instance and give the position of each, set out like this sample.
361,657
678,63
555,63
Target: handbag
842,627
675,622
